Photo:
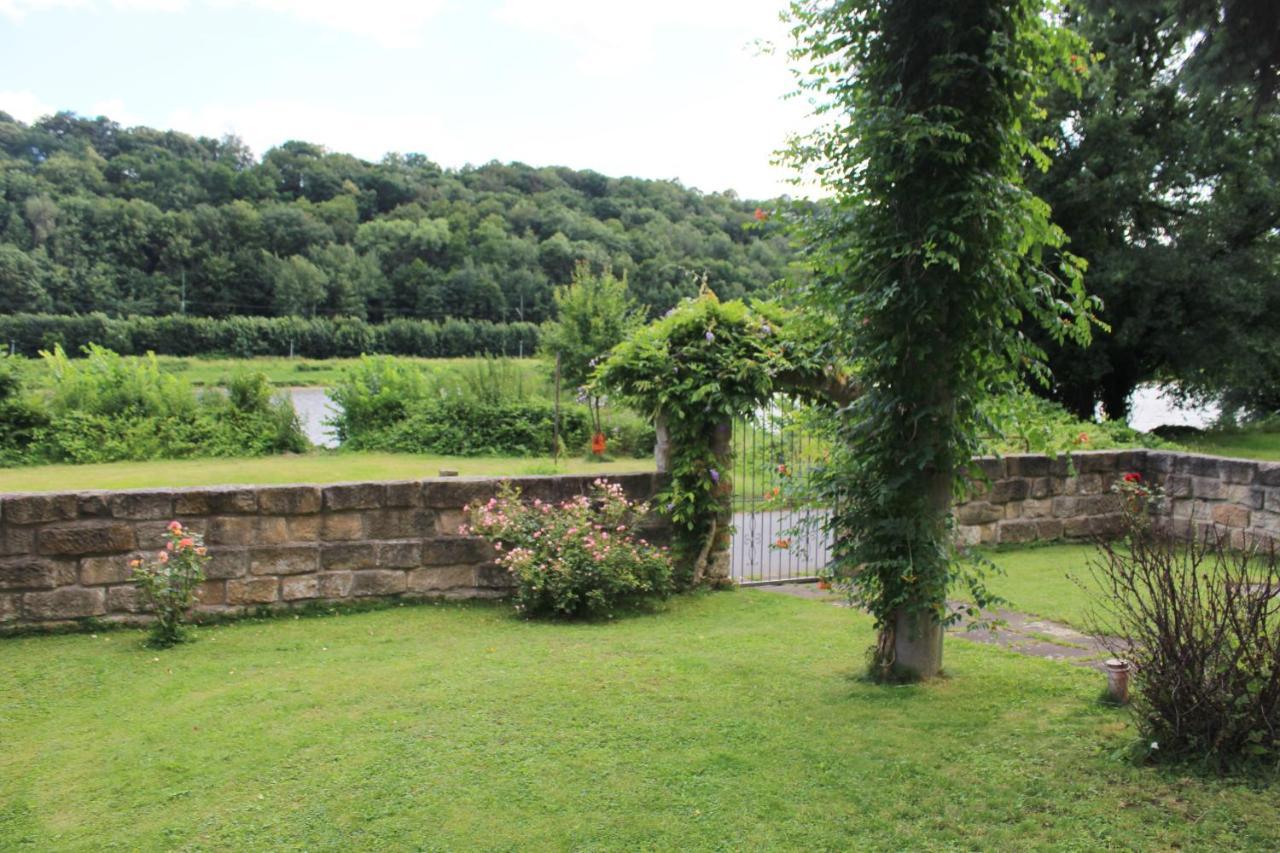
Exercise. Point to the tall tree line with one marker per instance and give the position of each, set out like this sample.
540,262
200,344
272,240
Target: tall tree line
98,217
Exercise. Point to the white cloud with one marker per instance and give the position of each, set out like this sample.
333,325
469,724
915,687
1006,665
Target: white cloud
26,107
390,23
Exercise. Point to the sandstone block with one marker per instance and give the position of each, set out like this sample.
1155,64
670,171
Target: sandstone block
153,535
407,493
17,540
399,524
455,551
342,526
271,530
10,608
231,530
227,563
1040,488
98,571
289,500
66,603
978,512
334,584
1089,484
1003,491
378,582
142,506
1027,465
1037,508
1267,473
440,578
354,555
1048,529
398,555
494,576
211,593
299,587
455,493
1207,488
32,509
286,560
449,521
1230,515
93,504
29,572
242,591
304,528
353,496
1018,531
228,501
89,537
988,467
126,599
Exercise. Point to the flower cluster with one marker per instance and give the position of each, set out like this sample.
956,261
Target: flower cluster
576,558
1137,499
169,579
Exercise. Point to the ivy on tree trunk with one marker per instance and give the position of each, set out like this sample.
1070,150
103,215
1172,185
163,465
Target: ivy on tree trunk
927,258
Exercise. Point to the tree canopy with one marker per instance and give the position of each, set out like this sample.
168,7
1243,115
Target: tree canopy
98,217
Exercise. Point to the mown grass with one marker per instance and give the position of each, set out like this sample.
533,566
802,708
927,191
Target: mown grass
1052,581
319,467
723,721
1260,443
296,371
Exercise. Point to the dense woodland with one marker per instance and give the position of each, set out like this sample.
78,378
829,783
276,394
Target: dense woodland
98,217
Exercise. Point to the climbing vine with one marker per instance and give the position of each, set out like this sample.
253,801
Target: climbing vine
699,369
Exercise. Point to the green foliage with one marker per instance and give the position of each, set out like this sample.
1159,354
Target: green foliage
927,259
20,417
704,365
391,405
594,313
245,337
99,217
1166,178
105,408
169,580
576,559
1026,423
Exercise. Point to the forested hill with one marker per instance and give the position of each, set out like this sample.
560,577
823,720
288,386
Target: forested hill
97,217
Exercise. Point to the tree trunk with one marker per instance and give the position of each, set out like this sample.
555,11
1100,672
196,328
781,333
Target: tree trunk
917,633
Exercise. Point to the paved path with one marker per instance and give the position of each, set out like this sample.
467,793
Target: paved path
1019,632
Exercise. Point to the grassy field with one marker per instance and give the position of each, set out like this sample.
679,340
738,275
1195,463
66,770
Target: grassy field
1046,581
319,467
294,371
723,721
1245,444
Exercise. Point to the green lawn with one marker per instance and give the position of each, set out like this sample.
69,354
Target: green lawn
724,721
293,371
319,467
1039,580
1245,444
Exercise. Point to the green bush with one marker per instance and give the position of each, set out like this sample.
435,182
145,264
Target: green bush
390,405
244,337
105,408
579,558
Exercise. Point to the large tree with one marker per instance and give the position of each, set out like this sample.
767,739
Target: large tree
1166,179
928,258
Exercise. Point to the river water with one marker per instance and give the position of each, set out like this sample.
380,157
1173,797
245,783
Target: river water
1151,408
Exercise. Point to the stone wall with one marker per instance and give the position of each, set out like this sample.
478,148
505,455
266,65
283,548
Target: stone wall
1028,498
65,557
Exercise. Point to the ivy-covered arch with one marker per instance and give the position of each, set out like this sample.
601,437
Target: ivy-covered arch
703,366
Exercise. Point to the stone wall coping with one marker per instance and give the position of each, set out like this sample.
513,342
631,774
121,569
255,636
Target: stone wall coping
517,479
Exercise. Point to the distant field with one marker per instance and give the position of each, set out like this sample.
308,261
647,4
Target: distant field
311,468
296,371
1246,444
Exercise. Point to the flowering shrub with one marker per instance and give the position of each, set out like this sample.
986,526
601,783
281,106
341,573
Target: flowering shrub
578,558
169,581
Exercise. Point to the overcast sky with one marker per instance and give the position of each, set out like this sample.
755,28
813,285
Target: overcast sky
656,89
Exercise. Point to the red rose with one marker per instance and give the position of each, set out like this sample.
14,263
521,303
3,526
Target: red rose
1133,477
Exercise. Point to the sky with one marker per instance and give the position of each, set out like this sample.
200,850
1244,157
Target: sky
667,89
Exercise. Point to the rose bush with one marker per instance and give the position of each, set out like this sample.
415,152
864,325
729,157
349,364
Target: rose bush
168,581
577,558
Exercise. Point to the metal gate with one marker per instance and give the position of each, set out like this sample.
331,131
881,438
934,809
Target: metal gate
779,536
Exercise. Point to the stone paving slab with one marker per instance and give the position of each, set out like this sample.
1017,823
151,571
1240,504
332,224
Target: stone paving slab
1019,632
